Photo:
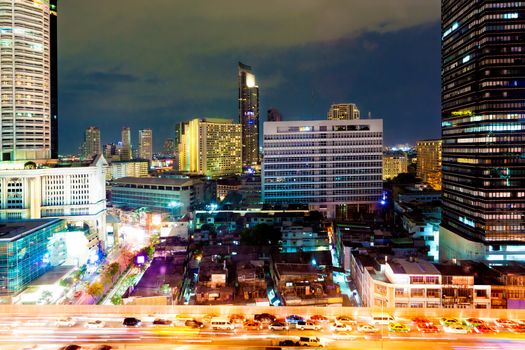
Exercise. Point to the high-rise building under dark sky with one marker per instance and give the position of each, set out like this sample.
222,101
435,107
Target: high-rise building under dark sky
483,130
53,57
249,115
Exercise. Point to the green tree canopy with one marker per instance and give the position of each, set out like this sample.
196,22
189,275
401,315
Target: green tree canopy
262,234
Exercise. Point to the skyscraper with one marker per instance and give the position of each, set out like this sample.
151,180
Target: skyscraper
146,144
249,115
211,147
343,111
274,115
25,104
92,145
53,56
483,130
429,162
126,151
169,147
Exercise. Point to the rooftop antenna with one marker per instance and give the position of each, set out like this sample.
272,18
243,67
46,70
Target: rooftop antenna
369,115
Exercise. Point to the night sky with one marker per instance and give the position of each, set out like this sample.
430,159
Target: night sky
152,63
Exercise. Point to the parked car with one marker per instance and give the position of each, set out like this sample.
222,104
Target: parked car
94,324
252,325
484,329
194,324
366,328
264,317
398,327
427,328
307,325
340,327
77,294
162,322
319,318
474,322
131,322
448,321
278,326
456,329
65,322
294,319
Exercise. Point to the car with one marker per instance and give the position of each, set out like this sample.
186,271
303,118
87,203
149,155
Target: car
366,328
288,342
307,325
310,341
518,328
194,324
474,322
398,327
278,326
105,347
94,324
484,329
421,320
78,294
220,323
505,323
264,317
345,319
36,323
71,347
448,321
162,322
319,318
427,328
340,327
294,319
456,329
236,318
65,322
131,322
253,325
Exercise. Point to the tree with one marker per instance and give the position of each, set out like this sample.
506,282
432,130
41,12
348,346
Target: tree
116,300
113,269
262,234
95,289
46,297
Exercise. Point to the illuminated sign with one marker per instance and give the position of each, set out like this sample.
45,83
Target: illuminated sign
461,113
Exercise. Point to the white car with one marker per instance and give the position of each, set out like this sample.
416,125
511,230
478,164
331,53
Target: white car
366,328
340,327
307,325
456,328
94,324
65,322
36,323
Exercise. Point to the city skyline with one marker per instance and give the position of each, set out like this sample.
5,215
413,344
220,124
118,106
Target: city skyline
301,74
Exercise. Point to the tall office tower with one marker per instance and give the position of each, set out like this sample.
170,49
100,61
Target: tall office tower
343,111
53,56
211,147
92,145
146,144
393,166
25,90
429,162
274,115
110,150
249,116
483,130
334,166
126,153
169,147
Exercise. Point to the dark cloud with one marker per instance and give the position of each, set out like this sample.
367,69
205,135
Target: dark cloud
153,63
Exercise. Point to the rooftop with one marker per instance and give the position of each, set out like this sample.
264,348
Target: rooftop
10,231
414,267
153,181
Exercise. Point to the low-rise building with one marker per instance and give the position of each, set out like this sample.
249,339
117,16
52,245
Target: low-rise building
251,281
297,238
394,165
137,168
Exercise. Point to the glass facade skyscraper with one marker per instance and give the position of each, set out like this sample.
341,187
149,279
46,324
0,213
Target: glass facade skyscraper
249,116
483,130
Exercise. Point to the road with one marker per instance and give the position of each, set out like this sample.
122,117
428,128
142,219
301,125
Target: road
19,332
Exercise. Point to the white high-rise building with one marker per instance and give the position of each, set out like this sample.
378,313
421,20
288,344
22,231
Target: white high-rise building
92,145
146,144
78,194
25,94
330,165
